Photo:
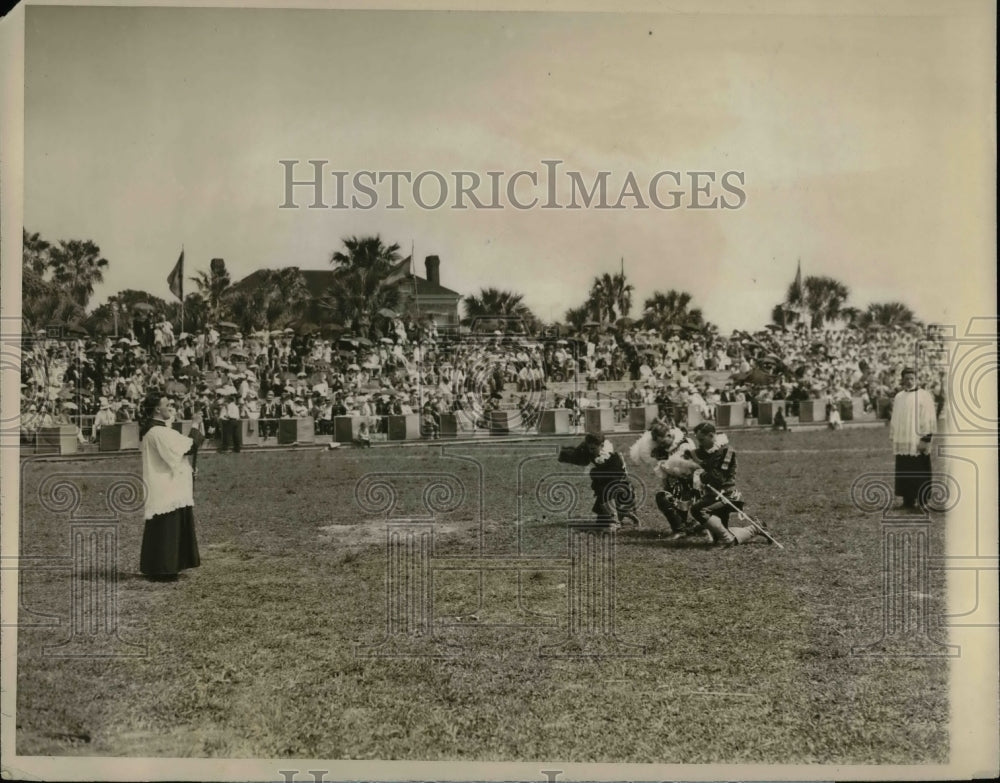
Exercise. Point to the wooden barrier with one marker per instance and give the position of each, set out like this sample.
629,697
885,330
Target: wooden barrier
450,426
404,427
346,428
119,437
850,409
296,431
766,411
502,422
183,426
554,422
731,414
455,423
812,410
60,439
598,420
250,429
641,417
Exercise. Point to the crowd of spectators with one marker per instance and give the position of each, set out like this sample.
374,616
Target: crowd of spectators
405,367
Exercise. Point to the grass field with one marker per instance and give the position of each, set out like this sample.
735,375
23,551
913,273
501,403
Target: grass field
747,650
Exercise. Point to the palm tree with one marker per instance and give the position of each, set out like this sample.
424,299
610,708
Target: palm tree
247,307
364,281
43,300
367,253
213,286
671,309
789,311
851,316
33,282
887,314
44,303
784,315
287,296
35,251
77,266
576,317
196,315
496,305
824,297
611,296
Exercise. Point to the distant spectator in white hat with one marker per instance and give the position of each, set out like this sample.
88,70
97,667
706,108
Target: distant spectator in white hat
104,416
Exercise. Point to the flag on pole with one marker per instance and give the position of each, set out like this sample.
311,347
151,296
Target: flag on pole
176,278
398,272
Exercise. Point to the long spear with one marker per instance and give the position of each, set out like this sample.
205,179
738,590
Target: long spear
753,522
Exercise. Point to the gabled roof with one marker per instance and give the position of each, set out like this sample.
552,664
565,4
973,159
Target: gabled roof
319,280
426,287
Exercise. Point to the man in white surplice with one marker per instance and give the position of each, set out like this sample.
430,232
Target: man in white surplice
169,542
913,424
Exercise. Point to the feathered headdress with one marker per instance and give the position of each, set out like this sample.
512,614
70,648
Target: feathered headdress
641,451
681,463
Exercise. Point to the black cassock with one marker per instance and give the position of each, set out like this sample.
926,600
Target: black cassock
913,474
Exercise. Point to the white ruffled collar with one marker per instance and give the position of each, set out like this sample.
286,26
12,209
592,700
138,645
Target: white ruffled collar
607,449
721,441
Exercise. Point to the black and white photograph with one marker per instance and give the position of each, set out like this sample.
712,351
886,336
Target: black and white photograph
550,392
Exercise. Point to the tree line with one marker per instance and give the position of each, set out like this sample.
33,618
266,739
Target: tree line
58,281
819,301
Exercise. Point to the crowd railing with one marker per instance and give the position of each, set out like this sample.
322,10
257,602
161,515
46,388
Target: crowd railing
598,413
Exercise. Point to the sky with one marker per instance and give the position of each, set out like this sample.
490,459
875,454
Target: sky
866,145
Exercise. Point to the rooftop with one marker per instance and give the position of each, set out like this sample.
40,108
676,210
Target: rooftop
319,280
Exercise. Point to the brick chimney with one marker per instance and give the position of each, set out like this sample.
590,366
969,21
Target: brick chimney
433,266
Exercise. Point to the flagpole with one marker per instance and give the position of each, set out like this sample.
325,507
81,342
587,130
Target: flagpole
416,296
182,287
420,345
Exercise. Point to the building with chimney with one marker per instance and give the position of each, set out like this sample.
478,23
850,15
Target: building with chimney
425,296
419,297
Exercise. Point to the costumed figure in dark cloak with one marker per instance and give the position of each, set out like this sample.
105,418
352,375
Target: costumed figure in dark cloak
614,496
